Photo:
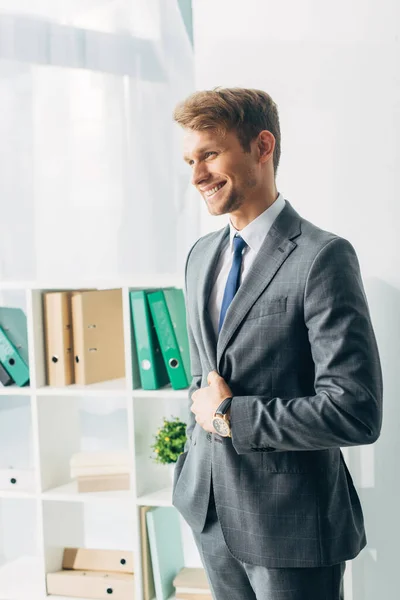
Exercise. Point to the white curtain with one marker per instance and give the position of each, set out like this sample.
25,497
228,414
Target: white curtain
92,183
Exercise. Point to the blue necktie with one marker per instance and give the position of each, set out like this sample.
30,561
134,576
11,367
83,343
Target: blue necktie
233,281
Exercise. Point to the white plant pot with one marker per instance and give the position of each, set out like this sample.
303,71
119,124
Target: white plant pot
171,469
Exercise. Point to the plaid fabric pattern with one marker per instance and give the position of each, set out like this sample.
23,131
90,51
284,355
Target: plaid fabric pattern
299,352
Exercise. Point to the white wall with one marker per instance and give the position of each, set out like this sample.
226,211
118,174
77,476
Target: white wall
333,70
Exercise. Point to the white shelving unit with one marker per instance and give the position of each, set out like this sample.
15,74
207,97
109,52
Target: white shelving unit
44,426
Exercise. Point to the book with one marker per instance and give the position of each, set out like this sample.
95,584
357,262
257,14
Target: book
192,578
99,459
103,483
165,548
192,584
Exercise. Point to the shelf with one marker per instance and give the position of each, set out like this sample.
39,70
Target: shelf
16,494
65,420
115,387
104,388
56,597
14,390
161,497
69,493
166,392
141,281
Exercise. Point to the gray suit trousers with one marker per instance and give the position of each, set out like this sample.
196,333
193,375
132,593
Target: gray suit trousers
231,579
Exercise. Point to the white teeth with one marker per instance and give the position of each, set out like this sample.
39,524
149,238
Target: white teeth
214,189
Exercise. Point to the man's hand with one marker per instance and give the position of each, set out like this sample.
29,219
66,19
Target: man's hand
206,400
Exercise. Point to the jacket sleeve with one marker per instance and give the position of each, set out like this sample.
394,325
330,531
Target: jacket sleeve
195,367
346,409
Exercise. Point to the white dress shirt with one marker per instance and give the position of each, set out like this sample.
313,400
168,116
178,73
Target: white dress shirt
253,234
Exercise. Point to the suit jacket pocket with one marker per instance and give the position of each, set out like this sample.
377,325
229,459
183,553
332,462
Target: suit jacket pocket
267,306
295,462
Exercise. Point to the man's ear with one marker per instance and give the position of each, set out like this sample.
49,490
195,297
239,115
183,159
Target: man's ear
266,145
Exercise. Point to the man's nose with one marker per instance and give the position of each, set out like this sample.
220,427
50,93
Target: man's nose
200,173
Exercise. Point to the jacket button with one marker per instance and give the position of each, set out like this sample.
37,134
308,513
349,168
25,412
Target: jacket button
209,436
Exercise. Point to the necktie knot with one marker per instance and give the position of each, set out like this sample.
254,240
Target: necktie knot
238,244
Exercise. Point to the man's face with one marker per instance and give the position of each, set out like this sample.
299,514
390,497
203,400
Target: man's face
225,175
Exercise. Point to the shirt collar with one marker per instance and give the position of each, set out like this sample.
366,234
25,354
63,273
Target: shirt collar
255,232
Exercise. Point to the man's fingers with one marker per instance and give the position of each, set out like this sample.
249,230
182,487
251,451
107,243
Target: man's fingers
213,377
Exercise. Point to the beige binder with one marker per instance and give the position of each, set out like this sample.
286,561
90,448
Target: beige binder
147,568
91,584
97,325
58,338
87,559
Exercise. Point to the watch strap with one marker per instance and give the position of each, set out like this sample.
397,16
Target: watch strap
224,406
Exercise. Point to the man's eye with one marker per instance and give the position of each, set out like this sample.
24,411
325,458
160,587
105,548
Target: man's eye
207,154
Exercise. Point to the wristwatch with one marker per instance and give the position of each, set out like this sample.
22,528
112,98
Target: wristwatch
220,420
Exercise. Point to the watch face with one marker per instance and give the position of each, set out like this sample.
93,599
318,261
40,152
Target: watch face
221,426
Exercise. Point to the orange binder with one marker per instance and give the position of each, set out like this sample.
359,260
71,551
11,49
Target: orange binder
97,326
58,338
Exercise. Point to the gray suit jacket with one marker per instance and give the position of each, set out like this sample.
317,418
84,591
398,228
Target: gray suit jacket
298,350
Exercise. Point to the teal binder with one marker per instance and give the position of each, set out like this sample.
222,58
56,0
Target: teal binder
153,374
165,548
13,321
12,362
136,381
171,333
177,311
5,379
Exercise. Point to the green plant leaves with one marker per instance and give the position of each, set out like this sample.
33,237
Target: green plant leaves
169,441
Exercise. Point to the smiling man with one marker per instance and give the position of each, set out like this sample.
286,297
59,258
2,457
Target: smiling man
285,369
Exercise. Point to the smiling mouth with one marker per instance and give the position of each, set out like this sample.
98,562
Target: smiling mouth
214,190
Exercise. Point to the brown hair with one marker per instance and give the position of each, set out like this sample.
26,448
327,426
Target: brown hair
245,111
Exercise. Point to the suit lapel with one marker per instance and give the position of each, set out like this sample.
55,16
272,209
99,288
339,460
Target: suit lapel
276,248
206,279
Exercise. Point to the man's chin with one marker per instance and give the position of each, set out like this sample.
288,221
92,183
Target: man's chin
221,209
215,211
218,209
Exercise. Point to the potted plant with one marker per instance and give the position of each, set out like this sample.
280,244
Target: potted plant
169,442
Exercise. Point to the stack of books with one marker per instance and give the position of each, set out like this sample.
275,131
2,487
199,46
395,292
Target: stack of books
94,574
14,363
192,584
101,471
84,339
161,348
